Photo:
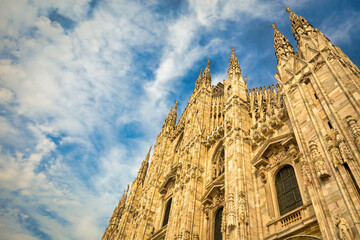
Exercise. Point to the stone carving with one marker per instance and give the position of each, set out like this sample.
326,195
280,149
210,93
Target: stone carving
231,217
196,236
345,232
228,124
343,147
334,151
305,171
242,207
318,161
354,129
187,235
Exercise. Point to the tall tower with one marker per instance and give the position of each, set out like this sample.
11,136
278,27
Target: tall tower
272,162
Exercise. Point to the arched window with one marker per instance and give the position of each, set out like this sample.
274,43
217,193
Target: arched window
287,189
167,213
219,164
217,228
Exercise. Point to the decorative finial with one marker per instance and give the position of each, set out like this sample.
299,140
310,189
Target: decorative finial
233,49
208,62
273,26
288,9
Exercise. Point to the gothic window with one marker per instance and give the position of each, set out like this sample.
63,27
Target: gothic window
219,163
217,228
167,213
287,189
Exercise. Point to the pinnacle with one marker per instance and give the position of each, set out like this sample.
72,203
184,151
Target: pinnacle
233,62
288,9
273,26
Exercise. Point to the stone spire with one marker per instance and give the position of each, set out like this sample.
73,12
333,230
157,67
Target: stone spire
173,115
234,66
170,120
299,25
144,166
282,45
206,75
123,198
198,81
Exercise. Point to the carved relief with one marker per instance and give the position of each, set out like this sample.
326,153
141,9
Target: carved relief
345,232
334,151
242,208
305,171
318,161
343,147
354,129
231,217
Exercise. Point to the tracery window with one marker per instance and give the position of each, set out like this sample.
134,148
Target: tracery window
219,164
217,228
167,213
287,189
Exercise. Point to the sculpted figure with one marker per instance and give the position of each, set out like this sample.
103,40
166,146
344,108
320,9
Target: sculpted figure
344,228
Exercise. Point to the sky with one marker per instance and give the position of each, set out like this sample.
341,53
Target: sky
86,85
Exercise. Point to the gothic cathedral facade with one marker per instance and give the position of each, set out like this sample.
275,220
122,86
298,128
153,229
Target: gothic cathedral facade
275,162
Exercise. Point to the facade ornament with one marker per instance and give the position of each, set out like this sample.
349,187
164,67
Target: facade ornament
187,235
305,171
228,124
242,207
345,232
282,45
223,220
343,147
196,236
231,217
354,129
334,151
318,161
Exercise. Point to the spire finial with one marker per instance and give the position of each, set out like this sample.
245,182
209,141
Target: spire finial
234,62
299,25
206,74
282,45
148,155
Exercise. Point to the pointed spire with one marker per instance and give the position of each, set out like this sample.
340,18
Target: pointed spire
282,45
123,198
198,81
234,66
299,25
206,74
144,166
148,155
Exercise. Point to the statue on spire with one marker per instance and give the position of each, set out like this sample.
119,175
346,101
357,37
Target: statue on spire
282,45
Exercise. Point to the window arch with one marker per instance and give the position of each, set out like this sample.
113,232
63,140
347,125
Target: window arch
167,212
219,163
217,227
287,190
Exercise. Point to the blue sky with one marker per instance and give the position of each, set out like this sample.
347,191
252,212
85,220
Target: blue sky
86,85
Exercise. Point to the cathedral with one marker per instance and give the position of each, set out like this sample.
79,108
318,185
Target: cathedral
274,162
